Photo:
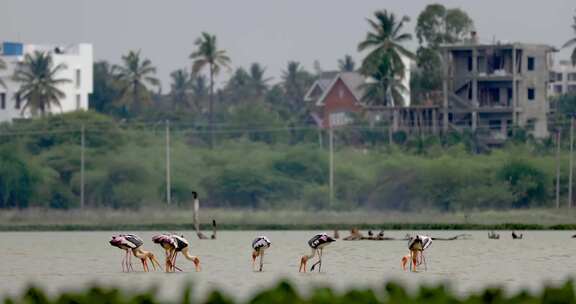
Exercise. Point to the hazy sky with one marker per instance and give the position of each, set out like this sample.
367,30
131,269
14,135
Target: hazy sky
271,32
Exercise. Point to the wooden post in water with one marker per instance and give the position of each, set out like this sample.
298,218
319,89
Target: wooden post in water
196,216
213,229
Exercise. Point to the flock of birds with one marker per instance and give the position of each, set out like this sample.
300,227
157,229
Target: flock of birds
174,244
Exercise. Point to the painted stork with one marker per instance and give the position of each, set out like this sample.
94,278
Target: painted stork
416,246
132,243
317,243
259,245
173,244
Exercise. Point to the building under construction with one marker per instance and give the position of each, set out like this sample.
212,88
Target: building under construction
492,87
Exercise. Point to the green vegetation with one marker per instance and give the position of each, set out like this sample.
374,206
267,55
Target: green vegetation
250,144
384,62
255,168
572,42
436,25
284,292
39,87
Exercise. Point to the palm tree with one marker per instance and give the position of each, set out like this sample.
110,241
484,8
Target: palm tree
135,75
384,88
346,64
199,88
572,42
238,87
179,88
258,83
385,41
39,85
384,62
2,67
208,55
295,81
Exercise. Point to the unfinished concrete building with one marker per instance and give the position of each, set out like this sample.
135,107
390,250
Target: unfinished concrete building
491,88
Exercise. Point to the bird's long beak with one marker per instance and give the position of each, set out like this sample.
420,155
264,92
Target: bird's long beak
303,261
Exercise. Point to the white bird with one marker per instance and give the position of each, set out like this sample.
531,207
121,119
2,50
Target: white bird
259,245
317,243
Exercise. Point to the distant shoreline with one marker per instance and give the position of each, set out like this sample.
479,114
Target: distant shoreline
328,227
174,219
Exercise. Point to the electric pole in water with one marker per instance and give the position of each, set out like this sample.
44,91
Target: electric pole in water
168,187
82,146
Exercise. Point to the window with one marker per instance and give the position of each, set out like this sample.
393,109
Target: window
2,101
572,77
495,124
531,93
470,63
17,104
531,63
494,94
78,101
531,124
78,78
571,88
558,89
559,76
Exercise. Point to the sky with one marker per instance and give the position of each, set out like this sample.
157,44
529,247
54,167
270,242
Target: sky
269,32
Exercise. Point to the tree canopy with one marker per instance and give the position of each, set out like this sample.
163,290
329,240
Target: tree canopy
39,88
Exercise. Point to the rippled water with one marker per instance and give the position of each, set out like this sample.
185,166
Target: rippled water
71,260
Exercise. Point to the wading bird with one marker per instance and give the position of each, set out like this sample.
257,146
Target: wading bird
260,244
317,243
416,245
173,244
132,243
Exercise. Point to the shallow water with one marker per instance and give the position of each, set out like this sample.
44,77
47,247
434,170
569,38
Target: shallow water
71,260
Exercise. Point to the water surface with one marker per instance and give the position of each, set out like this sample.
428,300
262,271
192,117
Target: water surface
71,260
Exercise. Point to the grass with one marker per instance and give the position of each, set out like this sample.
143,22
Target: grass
230,219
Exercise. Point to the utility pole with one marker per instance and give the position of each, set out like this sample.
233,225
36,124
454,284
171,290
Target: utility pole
331,172
82,146
571,161
558,132
168,183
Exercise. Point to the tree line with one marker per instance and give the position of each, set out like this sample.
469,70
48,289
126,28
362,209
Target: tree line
270,154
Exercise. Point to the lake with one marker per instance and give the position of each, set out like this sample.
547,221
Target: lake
71,260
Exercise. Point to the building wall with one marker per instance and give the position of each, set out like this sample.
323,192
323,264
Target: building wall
563,79
79,62
533,113
496,83
338,100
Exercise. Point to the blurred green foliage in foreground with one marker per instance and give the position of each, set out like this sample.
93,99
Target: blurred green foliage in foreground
286,293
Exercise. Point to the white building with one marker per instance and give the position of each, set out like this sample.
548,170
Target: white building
562,78
78,60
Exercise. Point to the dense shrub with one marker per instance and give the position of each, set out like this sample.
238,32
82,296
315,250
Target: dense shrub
284,293
526,182
126,165
18,180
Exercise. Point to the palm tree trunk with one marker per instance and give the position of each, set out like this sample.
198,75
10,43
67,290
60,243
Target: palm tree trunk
211,114
135,105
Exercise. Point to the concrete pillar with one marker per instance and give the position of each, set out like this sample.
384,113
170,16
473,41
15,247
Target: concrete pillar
475,103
